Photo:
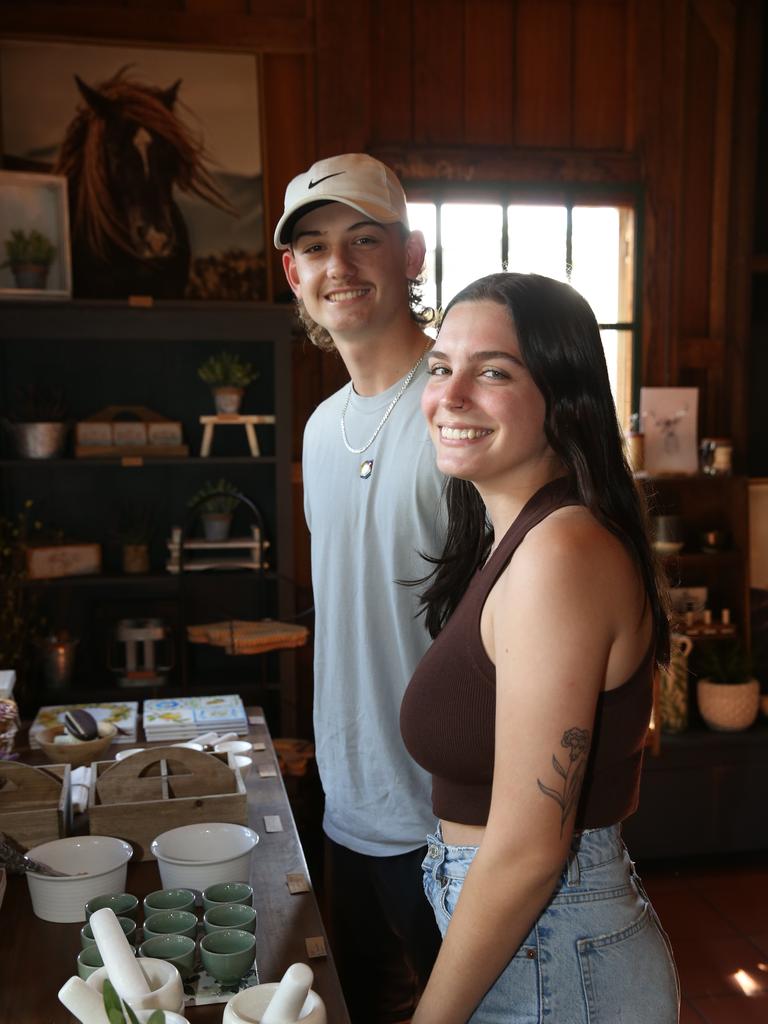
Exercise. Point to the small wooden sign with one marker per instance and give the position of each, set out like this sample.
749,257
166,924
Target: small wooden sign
56,560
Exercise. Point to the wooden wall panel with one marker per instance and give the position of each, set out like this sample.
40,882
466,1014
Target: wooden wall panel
392,61
438,29
543,61
342,77
288,145
697,179
489,72
600,49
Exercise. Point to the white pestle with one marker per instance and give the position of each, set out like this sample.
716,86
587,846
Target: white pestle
120,963
83,1002
285,1005
207,739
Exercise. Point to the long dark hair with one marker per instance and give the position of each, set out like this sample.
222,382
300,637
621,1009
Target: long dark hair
560,343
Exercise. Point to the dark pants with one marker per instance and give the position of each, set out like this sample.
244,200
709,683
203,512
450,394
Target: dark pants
382,932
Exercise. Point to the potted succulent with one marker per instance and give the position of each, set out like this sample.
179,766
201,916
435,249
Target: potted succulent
39,427
229,376
215,502
29,255
727,692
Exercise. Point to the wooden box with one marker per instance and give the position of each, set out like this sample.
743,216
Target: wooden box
34,802
48,562
161,788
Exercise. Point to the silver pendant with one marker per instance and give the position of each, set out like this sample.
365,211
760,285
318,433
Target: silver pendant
366,468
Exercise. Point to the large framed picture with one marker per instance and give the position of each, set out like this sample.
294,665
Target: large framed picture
161,153
669,418
34,237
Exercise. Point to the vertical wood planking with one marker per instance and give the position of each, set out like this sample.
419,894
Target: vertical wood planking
600,83
489,72
342,80
697,178
438,72
543,62
392,64
287,141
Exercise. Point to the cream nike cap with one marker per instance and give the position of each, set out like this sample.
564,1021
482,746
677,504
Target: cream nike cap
355,179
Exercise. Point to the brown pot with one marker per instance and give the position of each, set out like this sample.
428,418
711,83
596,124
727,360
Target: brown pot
228,400
135,559
30,275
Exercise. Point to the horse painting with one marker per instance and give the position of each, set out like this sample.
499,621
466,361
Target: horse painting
123,154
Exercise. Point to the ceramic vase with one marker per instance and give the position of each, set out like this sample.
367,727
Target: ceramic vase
673,686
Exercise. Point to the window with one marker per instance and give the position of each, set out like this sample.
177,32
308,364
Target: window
588,245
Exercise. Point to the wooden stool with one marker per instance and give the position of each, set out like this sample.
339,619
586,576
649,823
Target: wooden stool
223,419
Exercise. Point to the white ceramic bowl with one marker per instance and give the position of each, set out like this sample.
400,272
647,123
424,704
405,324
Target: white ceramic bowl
233,747
242,762
166,987
104,861
248,1006
196,856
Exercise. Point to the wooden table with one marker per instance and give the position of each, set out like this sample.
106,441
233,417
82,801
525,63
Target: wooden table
37,957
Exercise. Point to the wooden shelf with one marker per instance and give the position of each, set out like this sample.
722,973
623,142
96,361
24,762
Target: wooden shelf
99,463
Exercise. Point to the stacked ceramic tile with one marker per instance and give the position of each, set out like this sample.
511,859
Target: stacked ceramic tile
184,718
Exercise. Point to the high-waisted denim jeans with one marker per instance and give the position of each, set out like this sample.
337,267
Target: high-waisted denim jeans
596,955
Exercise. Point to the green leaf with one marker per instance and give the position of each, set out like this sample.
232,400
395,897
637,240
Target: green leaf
131,1015
158,1017
112,1003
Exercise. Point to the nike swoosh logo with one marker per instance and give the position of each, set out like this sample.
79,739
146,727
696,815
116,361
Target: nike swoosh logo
334,175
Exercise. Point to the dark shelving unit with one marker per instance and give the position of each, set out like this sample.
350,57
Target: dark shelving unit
113,353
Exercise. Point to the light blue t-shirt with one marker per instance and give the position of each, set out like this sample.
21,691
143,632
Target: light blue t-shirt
367,534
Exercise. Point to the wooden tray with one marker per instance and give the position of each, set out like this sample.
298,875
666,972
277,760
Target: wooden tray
34,802
161,788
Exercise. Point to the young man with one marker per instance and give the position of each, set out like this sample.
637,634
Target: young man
373,506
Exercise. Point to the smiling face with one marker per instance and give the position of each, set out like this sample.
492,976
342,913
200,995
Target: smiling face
485,414
352,273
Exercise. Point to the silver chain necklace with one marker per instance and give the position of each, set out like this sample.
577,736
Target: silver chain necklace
408,378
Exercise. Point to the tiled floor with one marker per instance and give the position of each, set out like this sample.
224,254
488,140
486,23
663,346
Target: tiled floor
716,915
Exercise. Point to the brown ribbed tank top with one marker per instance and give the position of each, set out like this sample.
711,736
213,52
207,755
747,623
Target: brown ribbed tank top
448,710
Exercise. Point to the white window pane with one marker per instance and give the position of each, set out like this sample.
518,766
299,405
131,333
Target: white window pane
617,346
471,238
423,217
537,240
601,261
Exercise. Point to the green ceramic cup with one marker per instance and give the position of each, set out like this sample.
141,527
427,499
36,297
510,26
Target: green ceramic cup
178,950
171,922
228,954
230,915
169,899
88,961
124,904
128,926
227,892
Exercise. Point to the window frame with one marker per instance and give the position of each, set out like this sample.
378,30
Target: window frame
507,193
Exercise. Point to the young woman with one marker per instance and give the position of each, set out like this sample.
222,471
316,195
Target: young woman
532,705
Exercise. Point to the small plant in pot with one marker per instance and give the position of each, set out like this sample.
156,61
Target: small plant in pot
39,426
229,376
134,532
215,502
727,692
29,254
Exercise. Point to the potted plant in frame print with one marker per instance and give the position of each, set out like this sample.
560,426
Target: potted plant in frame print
34,238
161,153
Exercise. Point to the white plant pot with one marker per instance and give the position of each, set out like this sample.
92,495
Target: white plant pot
728,707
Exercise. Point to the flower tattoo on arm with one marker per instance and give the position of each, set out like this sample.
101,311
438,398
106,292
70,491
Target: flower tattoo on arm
576,742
